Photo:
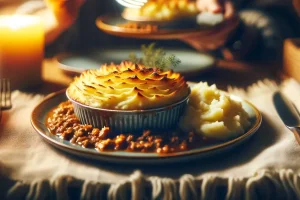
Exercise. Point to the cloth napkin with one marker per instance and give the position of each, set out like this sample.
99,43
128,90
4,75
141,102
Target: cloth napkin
266,166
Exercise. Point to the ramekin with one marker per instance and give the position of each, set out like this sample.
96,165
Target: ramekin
126,121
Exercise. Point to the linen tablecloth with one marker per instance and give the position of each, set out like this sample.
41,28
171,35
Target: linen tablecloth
266,166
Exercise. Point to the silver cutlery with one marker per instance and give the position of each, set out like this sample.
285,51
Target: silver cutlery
288,113
5,96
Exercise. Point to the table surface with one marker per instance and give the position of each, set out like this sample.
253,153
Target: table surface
239,74
226,73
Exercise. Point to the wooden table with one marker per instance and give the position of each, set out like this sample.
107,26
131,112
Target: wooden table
239,74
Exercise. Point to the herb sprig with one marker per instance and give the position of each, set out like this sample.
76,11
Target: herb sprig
155,57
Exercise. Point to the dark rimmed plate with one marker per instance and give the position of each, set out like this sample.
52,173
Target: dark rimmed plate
39,115
192,62
113,24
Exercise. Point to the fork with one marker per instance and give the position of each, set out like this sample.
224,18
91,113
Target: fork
132,3
5,94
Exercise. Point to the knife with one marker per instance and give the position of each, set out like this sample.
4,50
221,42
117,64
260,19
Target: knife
288,113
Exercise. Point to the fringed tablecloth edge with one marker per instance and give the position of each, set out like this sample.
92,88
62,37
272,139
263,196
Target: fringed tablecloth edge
266,183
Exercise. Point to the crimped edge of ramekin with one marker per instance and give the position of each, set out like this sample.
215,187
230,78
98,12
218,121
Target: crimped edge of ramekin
162,118
131,111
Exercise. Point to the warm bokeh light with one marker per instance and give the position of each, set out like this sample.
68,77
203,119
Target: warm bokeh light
16,22
21,49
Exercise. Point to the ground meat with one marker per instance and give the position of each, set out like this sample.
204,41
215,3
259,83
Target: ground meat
62,122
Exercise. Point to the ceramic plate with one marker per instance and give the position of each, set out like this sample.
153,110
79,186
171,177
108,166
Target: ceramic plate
114,25
192,62
39,116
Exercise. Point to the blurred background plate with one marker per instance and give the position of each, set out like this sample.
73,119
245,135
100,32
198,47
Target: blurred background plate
192,63
176,29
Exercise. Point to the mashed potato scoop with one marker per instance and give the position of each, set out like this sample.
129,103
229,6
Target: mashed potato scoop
214,114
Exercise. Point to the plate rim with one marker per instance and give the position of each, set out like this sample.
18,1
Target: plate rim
57,59
166,34
176,155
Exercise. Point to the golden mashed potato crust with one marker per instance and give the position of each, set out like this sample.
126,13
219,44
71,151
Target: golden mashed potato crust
128,86
213,114
164,10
